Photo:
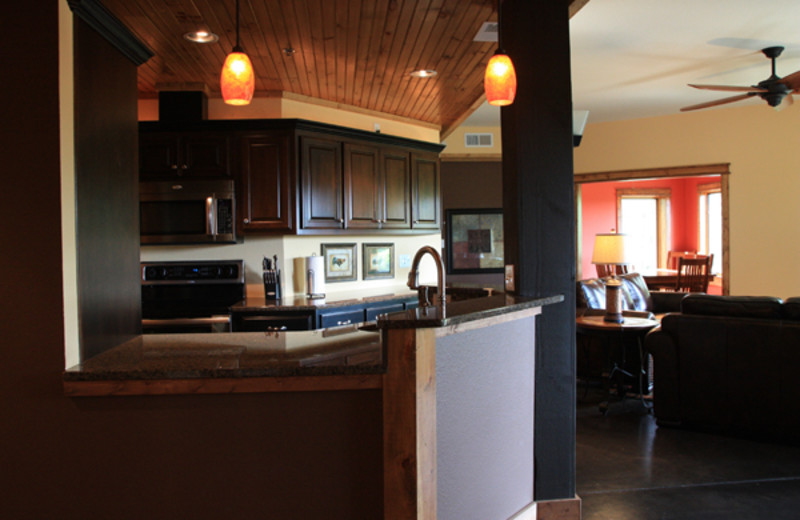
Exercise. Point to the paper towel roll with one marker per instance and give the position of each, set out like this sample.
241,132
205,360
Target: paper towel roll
315,276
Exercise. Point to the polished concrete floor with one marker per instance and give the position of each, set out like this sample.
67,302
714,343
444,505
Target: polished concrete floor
628,468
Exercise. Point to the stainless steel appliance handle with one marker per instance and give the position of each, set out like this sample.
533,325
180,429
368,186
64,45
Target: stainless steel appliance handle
212,320
211,212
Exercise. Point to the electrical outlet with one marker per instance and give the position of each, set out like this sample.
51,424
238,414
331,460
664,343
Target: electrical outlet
404,260
509,278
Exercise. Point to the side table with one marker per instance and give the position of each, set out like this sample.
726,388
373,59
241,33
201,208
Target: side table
610,331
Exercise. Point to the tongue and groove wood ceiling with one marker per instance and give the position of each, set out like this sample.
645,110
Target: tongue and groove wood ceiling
350,52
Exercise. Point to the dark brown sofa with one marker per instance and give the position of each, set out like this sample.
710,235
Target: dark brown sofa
729,364
591,294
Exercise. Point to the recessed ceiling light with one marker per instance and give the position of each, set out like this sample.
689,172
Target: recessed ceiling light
423,73
201,37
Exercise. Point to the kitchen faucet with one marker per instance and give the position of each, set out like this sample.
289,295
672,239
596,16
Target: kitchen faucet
413,277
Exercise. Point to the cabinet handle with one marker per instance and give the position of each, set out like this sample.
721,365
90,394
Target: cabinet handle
346,322
339,220
184,167
246,221
174,166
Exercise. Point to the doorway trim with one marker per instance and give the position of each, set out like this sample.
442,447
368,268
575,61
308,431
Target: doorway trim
721,169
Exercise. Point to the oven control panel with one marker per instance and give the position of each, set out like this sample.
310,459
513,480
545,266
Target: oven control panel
224,271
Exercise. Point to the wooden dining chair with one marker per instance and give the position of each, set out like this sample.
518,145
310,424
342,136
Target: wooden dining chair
604,270
694,274
673,256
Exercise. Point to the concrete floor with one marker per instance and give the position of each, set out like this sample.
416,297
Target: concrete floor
628,468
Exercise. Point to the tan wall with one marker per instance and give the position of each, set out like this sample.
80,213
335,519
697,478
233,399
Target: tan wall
761,146
290,106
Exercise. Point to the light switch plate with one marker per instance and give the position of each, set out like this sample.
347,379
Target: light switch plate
404,260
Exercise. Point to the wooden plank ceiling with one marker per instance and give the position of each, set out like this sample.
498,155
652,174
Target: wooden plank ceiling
351,52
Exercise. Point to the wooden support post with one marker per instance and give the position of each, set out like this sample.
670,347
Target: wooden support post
409,424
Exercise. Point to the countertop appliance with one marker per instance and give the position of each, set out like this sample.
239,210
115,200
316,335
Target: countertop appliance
192,296
187,212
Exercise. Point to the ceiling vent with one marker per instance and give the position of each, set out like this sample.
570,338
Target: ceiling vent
487,32
472,140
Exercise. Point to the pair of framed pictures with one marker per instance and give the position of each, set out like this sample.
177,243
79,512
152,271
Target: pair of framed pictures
341,262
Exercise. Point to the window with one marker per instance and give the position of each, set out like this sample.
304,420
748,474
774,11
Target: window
644,215
710,221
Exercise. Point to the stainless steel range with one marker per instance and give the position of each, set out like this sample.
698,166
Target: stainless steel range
190,296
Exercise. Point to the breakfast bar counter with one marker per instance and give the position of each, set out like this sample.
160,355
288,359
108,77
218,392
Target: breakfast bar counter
451,388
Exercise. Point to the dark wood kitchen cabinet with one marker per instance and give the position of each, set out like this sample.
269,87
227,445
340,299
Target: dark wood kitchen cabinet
376,187
425,195
170,155
322,188
303,177
266,200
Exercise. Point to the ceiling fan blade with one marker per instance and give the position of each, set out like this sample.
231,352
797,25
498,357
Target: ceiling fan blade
792,80
787,101
718,102
729,88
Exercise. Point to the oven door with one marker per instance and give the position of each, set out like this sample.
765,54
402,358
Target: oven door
187,325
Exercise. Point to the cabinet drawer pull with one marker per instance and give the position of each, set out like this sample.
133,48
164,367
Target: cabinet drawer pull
246,221
345,322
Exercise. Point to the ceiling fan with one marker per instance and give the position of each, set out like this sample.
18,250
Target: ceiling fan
776,91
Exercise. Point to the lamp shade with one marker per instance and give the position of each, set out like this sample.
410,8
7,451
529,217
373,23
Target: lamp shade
500,80
611,249
237,79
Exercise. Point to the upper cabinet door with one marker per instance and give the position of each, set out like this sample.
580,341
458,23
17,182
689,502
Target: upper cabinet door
266,183
205,155
362,186
396,192
158,156
321,165
169,155
425,196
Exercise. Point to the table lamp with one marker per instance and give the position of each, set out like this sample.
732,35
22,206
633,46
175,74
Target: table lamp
611,249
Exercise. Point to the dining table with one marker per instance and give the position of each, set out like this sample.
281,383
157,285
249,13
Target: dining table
659,279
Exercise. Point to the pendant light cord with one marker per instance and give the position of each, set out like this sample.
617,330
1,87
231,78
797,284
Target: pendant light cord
237,48
500,49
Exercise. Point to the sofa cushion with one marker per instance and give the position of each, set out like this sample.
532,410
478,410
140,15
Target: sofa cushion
791,308
764,307
635,292
591,294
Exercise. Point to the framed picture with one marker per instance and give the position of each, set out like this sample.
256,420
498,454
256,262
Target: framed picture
474,241
340,262
378,261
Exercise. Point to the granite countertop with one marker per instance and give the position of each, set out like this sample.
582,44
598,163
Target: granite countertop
336,351
463,311
337,299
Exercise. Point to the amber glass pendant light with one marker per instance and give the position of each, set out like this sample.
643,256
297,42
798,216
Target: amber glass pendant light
237,80
500,79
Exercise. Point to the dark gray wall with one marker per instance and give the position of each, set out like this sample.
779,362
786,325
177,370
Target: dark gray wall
468,184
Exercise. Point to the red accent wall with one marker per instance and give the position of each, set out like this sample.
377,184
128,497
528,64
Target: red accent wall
599,213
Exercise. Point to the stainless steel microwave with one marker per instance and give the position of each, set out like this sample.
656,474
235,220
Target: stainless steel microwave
187,212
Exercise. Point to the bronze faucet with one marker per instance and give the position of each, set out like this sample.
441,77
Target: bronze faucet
413,277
